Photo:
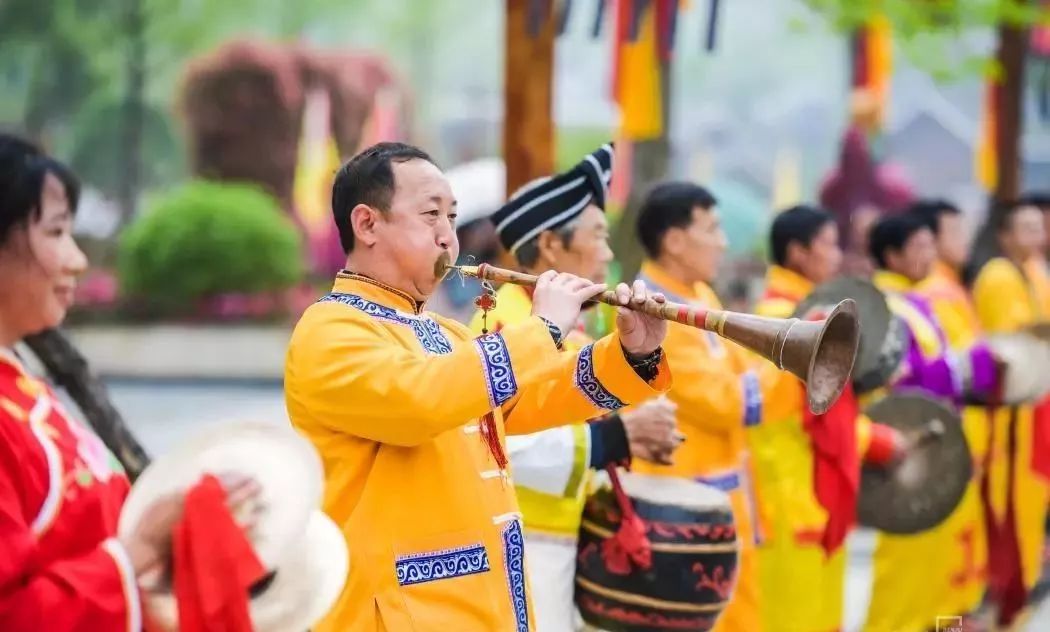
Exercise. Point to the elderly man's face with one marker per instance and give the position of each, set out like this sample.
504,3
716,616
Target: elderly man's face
587,254
420,225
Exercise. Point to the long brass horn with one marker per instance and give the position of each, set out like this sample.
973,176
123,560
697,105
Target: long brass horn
820,352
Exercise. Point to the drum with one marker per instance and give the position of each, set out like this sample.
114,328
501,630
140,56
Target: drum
1026,358
692,562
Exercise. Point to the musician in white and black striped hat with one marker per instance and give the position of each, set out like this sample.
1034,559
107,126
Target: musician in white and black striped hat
558,223
549,204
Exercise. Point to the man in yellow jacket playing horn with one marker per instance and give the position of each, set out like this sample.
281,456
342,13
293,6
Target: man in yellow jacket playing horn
717,391
409,410
552,468
1008,295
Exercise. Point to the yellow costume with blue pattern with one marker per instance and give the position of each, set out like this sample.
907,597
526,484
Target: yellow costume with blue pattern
392,398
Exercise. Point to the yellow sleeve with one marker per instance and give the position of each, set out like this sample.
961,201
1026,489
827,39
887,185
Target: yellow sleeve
782,392
345,372
711,388
775,308
863,435
1001,298
596,379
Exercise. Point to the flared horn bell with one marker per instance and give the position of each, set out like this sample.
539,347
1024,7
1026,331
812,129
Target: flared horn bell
819,352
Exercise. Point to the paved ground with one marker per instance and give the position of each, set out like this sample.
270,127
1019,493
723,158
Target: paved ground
162,414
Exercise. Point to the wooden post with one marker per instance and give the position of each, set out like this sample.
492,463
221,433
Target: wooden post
1010,54
650,162
528,125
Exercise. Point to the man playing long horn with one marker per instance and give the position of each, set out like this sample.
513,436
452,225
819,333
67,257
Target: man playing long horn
717,393
409,410
904,250
1009,296
559,224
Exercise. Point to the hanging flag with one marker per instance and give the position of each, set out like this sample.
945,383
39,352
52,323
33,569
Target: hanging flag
599,18
712,26
636,78
318,161
873,63
787,181
986,157
620,187
563,18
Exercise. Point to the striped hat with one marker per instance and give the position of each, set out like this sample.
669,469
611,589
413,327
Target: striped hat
551,203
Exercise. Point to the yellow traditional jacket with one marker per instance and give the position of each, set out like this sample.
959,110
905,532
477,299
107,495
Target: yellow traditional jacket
1008,300
550,467
802,588
391,397
719,394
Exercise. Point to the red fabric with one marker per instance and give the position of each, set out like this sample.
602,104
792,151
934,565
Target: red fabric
61,580
490,435
883,445
630,544
214,564
836,466
1041,439
1005,580
621,23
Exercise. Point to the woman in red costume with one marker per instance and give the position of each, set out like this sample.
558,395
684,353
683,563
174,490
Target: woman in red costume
62,566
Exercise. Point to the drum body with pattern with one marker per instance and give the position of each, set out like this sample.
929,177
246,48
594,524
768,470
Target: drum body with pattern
694,551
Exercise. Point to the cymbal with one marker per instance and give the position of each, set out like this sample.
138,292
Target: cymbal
921,489
883,337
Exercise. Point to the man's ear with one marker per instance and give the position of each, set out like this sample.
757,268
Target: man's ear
363,220
549,246
673,242
794,253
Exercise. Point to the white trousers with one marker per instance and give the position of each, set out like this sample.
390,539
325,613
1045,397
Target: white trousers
552,573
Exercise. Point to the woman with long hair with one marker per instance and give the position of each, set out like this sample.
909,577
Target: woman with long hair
62,566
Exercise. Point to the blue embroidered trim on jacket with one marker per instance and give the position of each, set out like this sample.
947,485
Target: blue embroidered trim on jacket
419,568
514,560
499,374
426,329
723,482
752,398
588,383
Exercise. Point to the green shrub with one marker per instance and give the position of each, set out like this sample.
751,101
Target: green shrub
204,239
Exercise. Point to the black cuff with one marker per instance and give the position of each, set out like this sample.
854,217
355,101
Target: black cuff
608,442
555,332
646,367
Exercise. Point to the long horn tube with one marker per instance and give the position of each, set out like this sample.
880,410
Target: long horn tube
820,353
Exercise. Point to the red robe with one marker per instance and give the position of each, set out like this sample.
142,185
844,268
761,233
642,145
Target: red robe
61,568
